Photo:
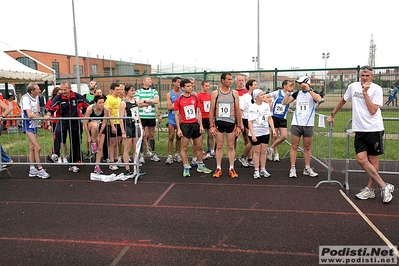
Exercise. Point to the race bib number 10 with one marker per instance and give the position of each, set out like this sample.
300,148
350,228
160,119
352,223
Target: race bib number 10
224,110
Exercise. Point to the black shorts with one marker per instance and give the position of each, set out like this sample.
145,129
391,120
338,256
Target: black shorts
279,122
225,127
370,142
190,131
148,122
205,123
264,139
245,123
118,131
131,132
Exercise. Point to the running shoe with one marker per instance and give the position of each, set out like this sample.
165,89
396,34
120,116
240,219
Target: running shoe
59,160
366,193
251,163
149,153
88,156
292,173
205,156
33,172
270,154
186,172
129,174
232,173
177,158
65,160
74,169
98,170
155,158
141,159
194,164
386,193
276,157
120,162
42,174
243,161
218,173
169,160
257,175
310,172
113,167
264,173
203,169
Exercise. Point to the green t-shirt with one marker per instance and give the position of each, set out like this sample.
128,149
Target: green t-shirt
142,94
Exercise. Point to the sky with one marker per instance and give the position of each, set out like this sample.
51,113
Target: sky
210,34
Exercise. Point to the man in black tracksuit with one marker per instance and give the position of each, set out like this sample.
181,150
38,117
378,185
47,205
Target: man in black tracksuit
69,104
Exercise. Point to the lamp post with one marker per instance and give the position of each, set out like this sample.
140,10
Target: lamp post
254,60
325,57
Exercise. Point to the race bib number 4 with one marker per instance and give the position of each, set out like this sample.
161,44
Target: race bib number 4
263,119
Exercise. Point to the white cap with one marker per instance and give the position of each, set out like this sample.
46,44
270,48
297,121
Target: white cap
256,93
303,80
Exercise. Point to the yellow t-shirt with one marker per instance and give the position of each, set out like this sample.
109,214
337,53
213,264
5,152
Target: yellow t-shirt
113,103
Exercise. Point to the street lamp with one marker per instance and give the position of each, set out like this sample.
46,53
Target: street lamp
254,60
325,57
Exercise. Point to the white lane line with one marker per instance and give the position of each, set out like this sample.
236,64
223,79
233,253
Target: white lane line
389,244
163,194
120,255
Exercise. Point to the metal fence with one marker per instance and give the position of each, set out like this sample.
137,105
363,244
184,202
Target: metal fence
331,82
389,161
16,145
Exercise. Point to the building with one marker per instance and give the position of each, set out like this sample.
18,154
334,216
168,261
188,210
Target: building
89,67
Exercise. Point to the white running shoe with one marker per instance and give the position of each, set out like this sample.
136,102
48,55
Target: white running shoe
42,174
113,167
243,161
155,158
292,173
276,157
386,193
264,173
270,154
310,172
177,158
120,162
141,159
169,160
366,193
74,169
33,172
256,175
